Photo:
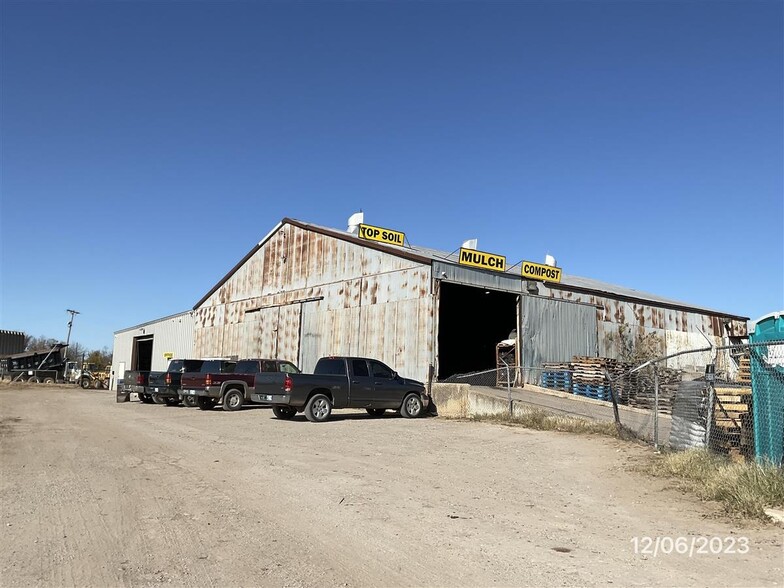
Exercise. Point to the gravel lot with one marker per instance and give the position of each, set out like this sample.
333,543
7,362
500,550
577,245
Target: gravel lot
96,493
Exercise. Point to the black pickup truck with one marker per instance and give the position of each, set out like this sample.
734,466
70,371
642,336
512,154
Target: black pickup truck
164,387
341,382
137,381
231,388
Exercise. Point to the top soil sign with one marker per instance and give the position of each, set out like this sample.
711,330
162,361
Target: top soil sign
538,271
483,260
372,233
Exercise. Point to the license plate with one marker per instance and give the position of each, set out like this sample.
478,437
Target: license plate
267,397
191,392
156,389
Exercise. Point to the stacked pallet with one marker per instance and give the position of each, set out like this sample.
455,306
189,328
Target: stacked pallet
589,376
557,376
744,371
643,389
733,427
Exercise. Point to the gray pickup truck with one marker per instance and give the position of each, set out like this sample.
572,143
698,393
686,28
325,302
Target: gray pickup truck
340,382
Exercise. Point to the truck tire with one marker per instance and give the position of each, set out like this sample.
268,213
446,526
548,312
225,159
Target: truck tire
375,412
189,401
85,383
157,399
48,380
145,398
233,400
97,384
319,408
171,401
205,403
412,406
33,380
285,413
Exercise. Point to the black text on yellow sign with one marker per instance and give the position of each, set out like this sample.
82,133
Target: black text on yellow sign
538,271
372,233
481,259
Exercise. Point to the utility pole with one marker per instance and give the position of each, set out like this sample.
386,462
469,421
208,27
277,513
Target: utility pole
70,324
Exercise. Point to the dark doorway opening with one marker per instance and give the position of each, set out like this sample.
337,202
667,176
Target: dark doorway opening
471,322
141,360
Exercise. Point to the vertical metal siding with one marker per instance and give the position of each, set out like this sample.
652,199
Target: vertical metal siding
555,330
173,334
372,303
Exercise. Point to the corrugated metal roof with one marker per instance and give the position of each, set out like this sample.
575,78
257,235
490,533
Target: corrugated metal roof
426,255
139,326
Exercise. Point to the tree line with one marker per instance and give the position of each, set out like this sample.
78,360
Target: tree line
74,352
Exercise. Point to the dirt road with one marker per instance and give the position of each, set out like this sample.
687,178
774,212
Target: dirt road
95,493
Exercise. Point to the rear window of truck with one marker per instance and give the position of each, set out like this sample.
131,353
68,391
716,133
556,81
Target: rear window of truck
331,367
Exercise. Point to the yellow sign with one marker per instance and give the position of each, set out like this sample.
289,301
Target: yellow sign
538,271
481,259
372,233
168,355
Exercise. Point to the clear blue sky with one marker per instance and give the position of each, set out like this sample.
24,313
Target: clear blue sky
147,146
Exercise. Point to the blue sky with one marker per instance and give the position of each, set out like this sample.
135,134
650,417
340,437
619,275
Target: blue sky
147,146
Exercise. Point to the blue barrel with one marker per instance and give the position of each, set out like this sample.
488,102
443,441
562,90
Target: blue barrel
767,386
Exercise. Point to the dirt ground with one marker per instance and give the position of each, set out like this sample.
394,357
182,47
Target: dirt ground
95,493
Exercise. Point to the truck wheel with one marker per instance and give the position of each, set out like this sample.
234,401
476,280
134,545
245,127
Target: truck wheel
85,383
189,401
284,412
158,399
145,398
412,406
319,408
375,412
33,380
48,380
171,401
97,384
205,403
233,400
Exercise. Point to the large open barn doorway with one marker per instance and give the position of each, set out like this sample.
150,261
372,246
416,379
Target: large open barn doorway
471,322
141,359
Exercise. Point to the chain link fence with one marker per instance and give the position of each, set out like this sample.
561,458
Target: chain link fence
728,399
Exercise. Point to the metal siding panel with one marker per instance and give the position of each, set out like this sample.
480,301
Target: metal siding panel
471,277
554,331
170,335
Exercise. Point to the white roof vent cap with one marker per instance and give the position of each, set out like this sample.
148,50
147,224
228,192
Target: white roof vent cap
549,260
354,221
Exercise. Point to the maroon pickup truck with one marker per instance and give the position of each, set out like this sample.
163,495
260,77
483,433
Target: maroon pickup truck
232,390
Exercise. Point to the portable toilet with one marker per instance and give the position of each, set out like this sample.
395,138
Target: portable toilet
766,335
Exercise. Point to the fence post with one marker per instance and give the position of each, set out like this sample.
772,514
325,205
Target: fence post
508,387
656,406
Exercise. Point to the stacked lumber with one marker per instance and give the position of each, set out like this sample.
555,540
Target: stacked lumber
732,432
744,371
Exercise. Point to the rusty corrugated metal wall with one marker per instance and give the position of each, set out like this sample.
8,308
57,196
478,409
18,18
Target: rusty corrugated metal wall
304,295
554,331
677,330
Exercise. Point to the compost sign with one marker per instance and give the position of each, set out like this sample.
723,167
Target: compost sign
482,260
381,235
539,271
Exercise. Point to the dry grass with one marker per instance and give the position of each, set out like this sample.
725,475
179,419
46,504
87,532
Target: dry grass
744,489
545,421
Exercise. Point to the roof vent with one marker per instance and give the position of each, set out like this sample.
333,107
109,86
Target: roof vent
549,260
354,221
470,244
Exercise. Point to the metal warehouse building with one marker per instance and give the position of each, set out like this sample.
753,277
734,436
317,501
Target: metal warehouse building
306,291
